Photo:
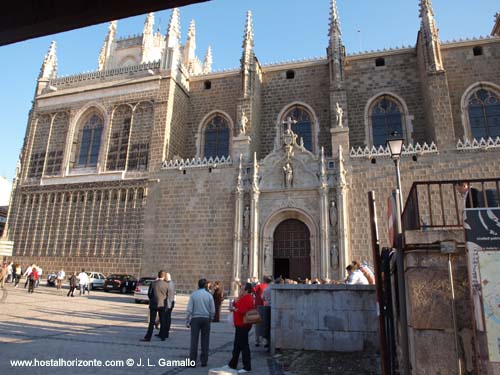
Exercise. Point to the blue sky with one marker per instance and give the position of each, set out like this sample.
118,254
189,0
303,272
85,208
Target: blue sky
284,30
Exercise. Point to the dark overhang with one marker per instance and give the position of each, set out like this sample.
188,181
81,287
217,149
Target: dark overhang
33,18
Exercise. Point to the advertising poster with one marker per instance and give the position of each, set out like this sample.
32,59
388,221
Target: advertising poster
482,234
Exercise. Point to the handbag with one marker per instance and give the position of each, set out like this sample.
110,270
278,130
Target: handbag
251,317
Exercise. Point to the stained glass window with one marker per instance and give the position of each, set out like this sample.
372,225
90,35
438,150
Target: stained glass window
301,125
91,142
386,119
217,137
484,114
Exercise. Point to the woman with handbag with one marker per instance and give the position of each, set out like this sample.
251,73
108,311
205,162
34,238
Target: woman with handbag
243,307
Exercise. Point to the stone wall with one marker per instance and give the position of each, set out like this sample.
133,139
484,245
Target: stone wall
339,318
189,225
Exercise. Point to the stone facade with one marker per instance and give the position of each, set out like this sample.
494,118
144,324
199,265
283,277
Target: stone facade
134,189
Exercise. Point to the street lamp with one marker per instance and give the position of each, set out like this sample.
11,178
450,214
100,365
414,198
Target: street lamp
395,146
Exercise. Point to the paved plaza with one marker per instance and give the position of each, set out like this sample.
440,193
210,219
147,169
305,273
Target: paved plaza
47,325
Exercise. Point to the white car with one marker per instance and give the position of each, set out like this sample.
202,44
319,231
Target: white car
141,289
96,280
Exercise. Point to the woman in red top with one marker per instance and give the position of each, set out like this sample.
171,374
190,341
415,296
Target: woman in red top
241,305
33,277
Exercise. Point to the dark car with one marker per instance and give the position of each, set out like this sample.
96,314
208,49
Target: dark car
122,282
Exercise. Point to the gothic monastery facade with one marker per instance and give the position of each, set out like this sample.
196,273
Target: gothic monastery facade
154,161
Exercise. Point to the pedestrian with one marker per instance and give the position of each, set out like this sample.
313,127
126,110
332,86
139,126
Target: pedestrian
27,274
72,284
258,291
60,277
40,273
170,303
83,281
32,278
355,276
3,274
17,274
241,306
10,272
200,312
218,299
157,294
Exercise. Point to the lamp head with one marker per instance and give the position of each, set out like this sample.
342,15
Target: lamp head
395,145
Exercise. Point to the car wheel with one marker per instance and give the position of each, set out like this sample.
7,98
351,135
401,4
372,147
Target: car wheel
137,301
123,290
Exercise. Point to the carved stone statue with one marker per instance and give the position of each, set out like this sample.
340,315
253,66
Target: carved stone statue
246,217
333,215
339,112
334,256
268,260
245,258
243,122
288,174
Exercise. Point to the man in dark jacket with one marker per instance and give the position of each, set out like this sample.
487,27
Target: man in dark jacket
157,293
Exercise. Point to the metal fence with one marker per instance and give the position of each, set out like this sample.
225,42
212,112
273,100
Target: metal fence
440,204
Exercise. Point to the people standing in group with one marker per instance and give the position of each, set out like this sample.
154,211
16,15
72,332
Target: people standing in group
200,312
258,291
170,303
157,294
27,274
72,284
241,306
33,279
83,282
355,276
218,295
60,277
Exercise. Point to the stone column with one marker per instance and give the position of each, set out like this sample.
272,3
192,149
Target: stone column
238,231
254,221
343,216
324,221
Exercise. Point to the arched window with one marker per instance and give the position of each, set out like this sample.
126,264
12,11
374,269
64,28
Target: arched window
484,114
301,124
216,137
90,142
386,118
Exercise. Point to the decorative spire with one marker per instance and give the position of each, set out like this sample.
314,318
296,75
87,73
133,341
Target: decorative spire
336,50
107,46
174,29
430,37
147,38
207,63
247,58
334,19
49,66
189,54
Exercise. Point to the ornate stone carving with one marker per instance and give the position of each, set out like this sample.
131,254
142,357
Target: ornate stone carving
333,214
288,175
245,258
246,217
334,256
268,259
339,113
243,122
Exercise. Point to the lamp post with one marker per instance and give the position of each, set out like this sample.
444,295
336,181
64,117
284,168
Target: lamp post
395,146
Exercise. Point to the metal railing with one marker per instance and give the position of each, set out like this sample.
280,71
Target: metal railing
440,204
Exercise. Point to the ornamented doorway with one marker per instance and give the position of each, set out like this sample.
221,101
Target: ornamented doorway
292,250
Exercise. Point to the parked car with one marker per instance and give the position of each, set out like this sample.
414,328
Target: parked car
51,279
96,280
122,282
141,289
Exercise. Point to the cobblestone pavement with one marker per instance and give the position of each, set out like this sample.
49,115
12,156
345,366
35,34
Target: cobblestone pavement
103,326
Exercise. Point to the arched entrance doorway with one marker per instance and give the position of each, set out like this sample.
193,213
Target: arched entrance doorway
292,250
